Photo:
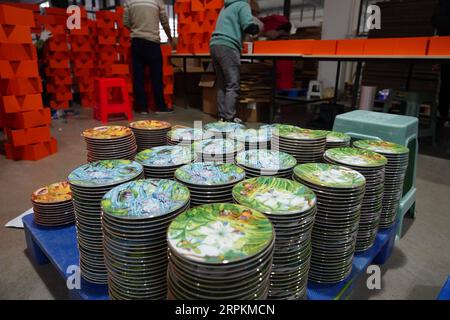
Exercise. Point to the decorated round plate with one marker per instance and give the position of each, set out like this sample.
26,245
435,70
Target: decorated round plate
53,193
209,173
274,195
165,156
150,125
334,136
328,175
106,132
297,133
266,159
188,134
217,146
104,173
219,233
356,157
223,126
381,146
252,135
145,199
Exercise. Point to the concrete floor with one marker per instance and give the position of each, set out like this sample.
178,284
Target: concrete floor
417,269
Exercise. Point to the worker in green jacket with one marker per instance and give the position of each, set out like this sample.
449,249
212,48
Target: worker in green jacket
235,20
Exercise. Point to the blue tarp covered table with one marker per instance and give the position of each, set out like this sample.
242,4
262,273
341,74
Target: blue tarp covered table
59,247
445,291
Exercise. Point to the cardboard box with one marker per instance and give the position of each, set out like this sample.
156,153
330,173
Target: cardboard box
209,94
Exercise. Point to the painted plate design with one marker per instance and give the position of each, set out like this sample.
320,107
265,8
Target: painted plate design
293,132
188,134
252,135
381,146
104,173
107,132
356,157
209,174
145,199
217,146
266,159
223,126
274,195
334,136
328,175
165,156
150,125
219,233
53,193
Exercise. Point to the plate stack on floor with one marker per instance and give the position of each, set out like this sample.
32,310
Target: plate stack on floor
371,166
135,217
109,143
186,136
395,171
223,129
304,144
291,207
161,162
339,191
210,182
337,140
150,133
266,163
252,138
217,150
52,205
89,183
220,251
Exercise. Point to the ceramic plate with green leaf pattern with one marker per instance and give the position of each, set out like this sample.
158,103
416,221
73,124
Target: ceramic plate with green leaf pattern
219,233
334,136
266,159
297,133
356,157
104,173
210,174
252,135
145,199
217,146
188,134
274,195
165,156
330,176
381,146
223,126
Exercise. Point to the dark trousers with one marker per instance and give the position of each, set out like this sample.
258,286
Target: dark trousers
147,53
444,92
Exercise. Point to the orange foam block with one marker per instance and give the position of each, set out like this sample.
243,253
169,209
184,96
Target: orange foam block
32,152
324,47
28,119
284,46
9,104
383,46
439,46
350,47
22,137
20,86
13,69
15,34
11,15
16,52
414,46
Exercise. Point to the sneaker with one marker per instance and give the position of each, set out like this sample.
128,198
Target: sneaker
164,110
238,121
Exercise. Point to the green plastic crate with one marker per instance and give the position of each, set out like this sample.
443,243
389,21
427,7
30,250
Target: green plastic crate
400,129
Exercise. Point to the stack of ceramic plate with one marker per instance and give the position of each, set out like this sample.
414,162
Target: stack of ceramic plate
266,163
210,182
252,138
371,166
186,136
109,142
135,217
220,251
161,162
304,144
222,128
291,207
395,171
52,205
150,133
337,140
89,183
217,150
339,191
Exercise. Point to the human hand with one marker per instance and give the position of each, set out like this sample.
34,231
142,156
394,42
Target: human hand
174,43
45,35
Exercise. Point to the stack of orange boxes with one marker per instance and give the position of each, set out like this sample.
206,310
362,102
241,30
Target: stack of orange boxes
107,42
26,123
168,75
57,55
196,23
82,60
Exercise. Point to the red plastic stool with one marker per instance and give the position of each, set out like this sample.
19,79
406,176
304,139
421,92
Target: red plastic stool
111,96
